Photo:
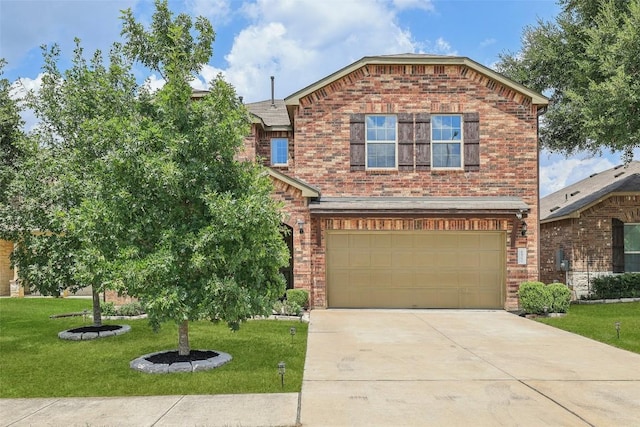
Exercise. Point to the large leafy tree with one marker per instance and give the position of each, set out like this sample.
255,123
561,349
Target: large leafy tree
176,220
588,62
10,135
81,113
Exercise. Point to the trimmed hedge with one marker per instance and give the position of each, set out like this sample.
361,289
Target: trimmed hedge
538,298
625,285
298,296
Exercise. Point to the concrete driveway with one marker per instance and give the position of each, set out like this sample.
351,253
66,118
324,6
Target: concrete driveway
461,368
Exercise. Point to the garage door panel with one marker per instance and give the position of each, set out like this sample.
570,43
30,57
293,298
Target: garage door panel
359,259
415,269
402,259
381,259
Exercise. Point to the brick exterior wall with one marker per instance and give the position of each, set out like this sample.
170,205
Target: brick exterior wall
586,242
320,156
6,272
295,209
508,152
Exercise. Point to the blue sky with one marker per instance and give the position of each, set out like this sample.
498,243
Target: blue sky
297,41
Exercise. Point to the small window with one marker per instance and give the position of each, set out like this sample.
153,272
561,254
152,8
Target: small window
279,151
446,142
381,142
632,248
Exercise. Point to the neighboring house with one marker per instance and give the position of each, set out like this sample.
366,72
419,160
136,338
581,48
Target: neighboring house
6,272
591,228
407,181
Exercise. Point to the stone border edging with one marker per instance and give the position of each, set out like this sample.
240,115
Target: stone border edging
83,336
605,301
143,365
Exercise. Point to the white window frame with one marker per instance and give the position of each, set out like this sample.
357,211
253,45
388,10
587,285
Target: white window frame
435,142
367,142
273,162
626,252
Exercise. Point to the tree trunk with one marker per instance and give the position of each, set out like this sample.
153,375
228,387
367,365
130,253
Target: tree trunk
183,338
97,311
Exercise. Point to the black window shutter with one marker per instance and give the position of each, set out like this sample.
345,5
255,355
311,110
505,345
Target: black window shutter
356,142
617,245
471,141
405,141
423,141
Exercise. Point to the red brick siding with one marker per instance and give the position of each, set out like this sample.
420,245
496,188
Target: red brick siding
295,208
508,146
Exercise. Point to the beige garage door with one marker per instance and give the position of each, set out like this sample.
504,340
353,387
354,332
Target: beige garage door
397,269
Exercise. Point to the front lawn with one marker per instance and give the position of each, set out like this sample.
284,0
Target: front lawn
34,362
598,321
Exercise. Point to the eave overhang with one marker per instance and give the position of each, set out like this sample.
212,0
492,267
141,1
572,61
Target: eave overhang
576,213
306,189
419,206
536,98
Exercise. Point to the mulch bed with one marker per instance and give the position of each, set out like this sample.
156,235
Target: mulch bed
169,357
102,328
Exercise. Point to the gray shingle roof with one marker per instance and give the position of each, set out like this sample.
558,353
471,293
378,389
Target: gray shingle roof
272,115
575,198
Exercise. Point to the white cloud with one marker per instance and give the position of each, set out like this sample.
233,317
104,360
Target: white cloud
442,47
154,82
556,172
217,11
488,42
302,41
414,4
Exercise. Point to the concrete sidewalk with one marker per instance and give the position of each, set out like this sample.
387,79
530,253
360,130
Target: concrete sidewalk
245,410
461,368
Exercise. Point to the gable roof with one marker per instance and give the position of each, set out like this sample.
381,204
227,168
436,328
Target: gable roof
571,201
306,189
417,59
272,115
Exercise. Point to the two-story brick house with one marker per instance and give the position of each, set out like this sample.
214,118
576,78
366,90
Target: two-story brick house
407,181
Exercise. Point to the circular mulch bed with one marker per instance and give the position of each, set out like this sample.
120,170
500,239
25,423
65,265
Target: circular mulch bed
169,361
92,332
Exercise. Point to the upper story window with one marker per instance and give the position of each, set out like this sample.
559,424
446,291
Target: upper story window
446,141
381,142
279,151
632,247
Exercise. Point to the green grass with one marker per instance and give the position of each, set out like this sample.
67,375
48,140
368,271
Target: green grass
597,321
34,362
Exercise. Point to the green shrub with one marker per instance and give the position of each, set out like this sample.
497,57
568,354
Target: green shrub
108,308
534,297
287,308
299,296
131,309
625,285
560,297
